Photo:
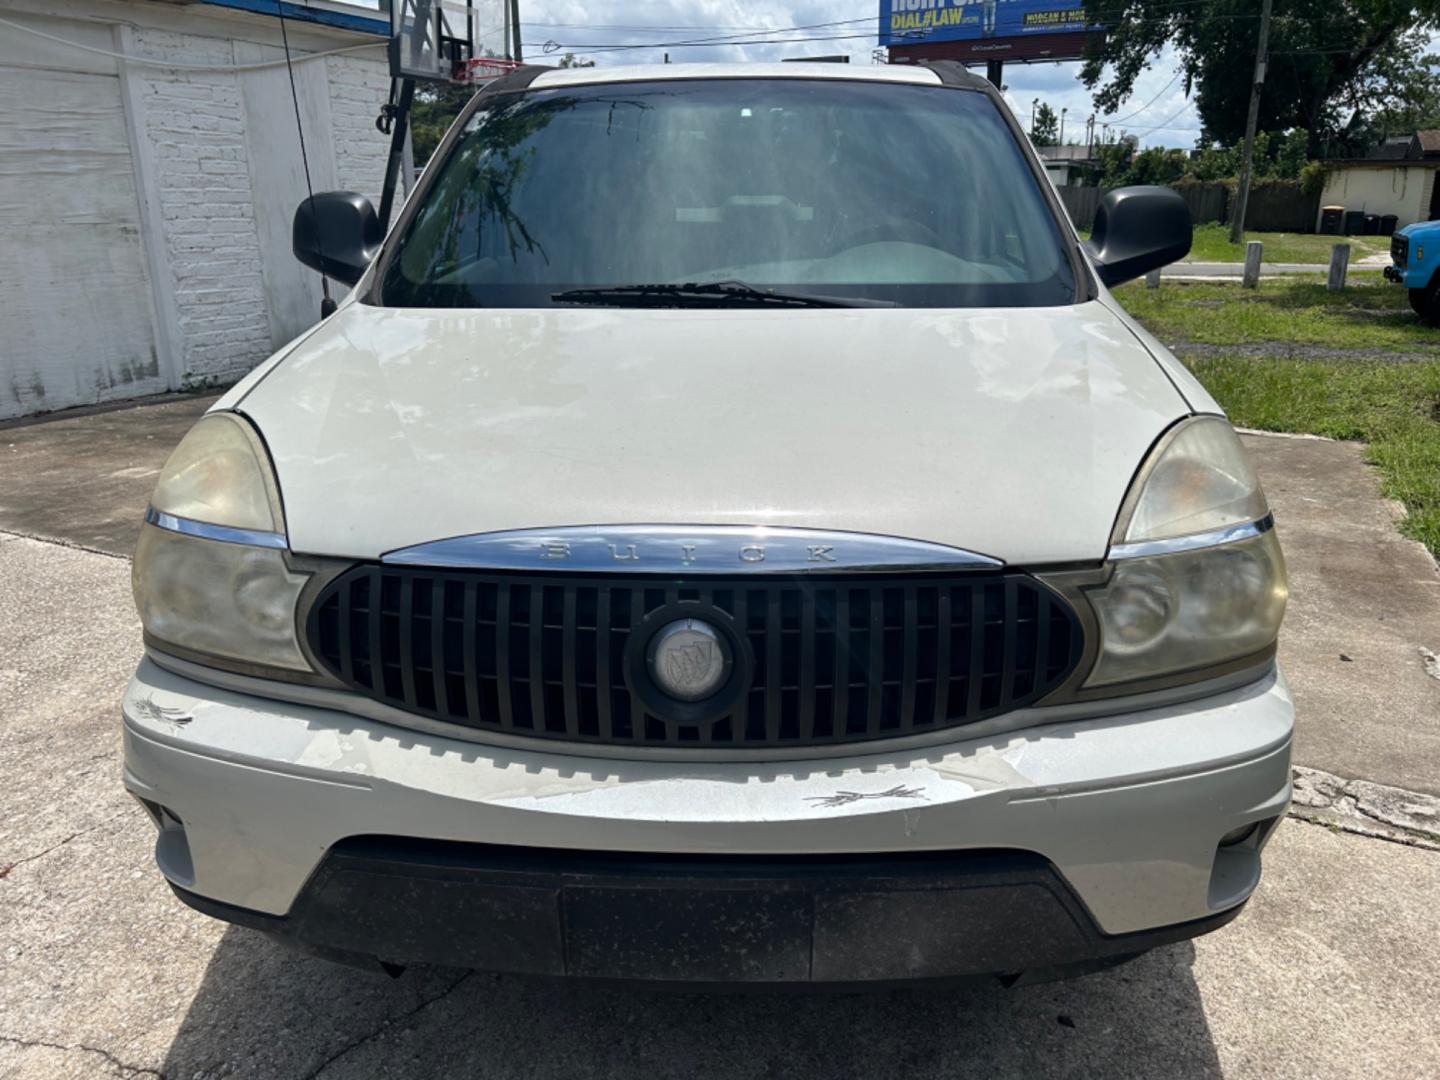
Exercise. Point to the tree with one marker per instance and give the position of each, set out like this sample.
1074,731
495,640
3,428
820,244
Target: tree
1045,129
1329,62
1412,103
435,107
1156,166
570,60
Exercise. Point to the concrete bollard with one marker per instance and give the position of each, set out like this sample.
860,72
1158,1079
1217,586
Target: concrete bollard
1152,279
1252,264
1339,263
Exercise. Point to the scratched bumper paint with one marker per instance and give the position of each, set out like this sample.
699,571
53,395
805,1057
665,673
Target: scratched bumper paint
1128,809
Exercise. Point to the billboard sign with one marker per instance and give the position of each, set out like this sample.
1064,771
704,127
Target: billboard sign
917,22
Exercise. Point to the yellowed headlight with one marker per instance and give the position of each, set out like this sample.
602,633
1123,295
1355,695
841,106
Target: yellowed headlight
1200,480
219,474
212,576
208,597
1188,611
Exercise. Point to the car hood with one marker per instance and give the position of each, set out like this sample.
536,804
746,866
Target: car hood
1009,432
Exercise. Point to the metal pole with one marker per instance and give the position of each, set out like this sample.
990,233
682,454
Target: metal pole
397,150
1062,124
1242,196
994,71
515,28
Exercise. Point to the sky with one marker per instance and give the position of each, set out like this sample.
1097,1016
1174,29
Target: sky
608,31
1157,112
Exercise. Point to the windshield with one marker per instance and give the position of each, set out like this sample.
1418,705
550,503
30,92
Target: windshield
901,194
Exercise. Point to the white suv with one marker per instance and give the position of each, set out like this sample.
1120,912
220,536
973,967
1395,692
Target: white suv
729,534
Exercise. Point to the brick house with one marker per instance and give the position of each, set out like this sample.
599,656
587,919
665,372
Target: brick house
148,173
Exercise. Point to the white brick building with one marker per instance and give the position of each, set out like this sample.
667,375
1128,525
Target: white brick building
145,209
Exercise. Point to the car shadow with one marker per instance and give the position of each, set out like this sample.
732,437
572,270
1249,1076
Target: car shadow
263,1010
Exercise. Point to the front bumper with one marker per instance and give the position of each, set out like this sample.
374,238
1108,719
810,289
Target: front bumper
1085,839
1413,278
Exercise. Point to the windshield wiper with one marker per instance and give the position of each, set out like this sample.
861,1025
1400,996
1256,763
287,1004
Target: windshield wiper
705,295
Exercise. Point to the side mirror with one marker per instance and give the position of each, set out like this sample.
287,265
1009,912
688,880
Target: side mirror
1138,229
337,233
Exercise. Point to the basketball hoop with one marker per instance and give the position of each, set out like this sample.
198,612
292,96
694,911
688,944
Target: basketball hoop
436,41
483,68
440,40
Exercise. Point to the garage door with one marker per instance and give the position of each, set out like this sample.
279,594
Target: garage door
75,315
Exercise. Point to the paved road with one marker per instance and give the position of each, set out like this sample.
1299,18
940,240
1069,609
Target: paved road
80,478
1365,609
1334,970
1237,269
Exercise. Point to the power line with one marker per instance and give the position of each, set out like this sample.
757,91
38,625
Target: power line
1161,126
682,29
749,37
591,48
1152,101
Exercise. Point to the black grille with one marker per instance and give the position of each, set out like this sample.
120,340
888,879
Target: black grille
820,660
1399,250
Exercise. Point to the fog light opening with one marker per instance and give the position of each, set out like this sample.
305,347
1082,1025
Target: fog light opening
1240,835
172,849
154,810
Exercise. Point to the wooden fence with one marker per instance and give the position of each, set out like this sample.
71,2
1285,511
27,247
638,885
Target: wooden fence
1274,206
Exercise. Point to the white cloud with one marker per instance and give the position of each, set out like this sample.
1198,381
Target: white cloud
1158,113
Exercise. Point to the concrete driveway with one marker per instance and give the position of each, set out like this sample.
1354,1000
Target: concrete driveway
1333,970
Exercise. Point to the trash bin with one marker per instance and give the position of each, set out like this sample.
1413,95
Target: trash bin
1354,222
1388,223
1331,220
1372,224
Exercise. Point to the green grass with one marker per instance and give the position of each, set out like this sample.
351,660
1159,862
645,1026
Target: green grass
1211,243
1368,314
1395,407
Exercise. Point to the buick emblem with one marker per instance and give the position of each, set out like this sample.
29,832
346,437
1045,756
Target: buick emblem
689,660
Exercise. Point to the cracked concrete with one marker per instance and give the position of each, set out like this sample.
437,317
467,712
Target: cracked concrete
387,1025
1364,807
1364,608
129,811
117,1067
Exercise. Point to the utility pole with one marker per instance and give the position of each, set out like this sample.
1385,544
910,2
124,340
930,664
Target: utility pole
515,26
1063,111
1237,212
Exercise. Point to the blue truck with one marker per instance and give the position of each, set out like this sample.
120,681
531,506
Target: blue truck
1414,260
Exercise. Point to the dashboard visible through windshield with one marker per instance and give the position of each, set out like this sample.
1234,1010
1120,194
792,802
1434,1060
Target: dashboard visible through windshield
873,192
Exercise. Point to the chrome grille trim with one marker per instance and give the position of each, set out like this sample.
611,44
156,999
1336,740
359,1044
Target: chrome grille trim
688,549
